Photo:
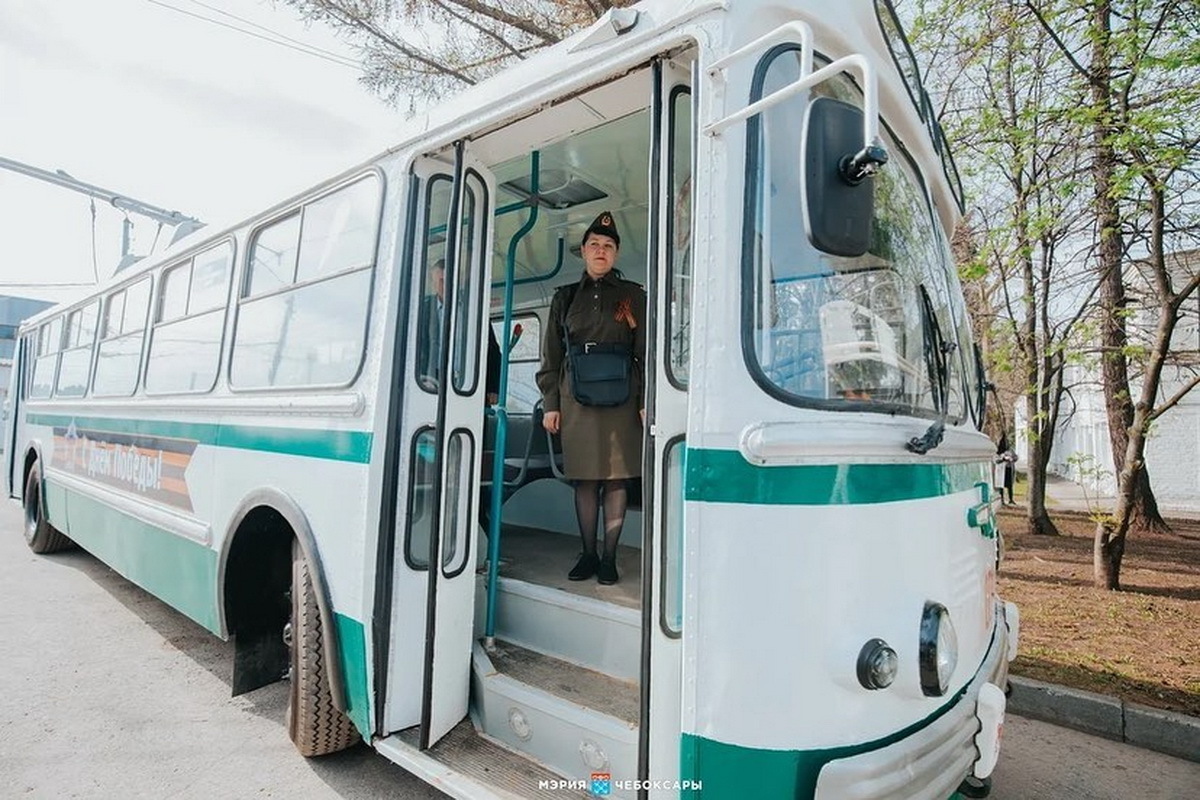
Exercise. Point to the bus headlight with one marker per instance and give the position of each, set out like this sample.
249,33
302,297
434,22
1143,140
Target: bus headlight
877,664
938,652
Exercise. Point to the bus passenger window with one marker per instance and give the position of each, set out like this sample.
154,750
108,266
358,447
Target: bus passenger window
523,363
302,316
120,352
49,345
185,345
76,359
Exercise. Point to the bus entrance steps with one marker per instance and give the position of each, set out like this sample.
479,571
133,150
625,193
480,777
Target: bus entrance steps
575,721
582,630
466,764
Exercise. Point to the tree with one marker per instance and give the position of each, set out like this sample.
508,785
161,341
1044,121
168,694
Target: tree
1140,61
426,49
1005,107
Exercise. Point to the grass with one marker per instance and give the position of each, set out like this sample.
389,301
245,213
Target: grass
1141,644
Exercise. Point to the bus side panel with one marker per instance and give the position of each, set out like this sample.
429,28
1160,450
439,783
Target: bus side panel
180,572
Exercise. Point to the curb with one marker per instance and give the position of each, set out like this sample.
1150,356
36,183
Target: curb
1166,732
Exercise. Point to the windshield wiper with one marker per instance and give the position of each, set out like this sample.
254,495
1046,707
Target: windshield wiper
937,351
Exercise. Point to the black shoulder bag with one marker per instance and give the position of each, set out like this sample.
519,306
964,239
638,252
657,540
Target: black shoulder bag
600,371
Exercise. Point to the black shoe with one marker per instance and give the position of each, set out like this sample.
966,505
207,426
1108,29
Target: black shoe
584,568
607,574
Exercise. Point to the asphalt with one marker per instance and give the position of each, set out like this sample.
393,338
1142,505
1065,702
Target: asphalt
1153,729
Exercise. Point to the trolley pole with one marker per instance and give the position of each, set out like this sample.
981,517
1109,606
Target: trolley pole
182,223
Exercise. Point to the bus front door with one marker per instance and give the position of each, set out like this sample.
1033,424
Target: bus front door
430,652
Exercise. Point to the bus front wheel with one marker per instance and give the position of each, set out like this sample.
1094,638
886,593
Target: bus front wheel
40,535
315,725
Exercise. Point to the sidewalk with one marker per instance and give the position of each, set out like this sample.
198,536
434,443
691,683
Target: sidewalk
1150,728
1063,494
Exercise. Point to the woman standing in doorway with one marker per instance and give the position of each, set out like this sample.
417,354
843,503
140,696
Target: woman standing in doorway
596,327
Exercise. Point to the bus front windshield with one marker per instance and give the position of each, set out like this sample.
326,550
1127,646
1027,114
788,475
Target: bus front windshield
839,332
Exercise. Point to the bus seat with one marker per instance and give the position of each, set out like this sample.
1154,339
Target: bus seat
527,456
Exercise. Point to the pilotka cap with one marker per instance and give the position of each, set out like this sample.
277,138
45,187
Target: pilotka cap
604,226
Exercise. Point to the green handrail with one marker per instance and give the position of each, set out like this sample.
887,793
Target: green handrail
501,409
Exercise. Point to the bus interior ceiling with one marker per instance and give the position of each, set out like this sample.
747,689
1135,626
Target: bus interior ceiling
594,152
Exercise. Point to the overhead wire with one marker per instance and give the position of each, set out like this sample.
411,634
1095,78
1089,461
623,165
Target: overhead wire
273,37
271,31
278,40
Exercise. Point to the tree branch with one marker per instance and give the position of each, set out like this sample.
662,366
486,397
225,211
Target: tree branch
1083,72
459,15
511,20
1173,400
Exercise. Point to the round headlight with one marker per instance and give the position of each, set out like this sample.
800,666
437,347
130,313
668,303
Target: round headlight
938,651
877,664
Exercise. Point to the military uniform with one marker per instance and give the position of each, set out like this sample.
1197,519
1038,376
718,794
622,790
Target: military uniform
598,442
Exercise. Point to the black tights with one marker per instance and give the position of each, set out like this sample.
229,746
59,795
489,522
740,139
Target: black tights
587,507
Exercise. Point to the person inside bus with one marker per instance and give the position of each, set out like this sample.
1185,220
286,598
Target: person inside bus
429,351
591,377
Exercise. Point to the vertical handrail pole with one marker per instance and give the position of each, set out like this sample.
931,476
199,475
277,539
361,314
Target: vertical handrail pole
501,410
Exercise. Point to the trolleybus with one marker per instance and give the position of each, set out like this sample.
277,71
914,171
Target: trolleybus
254,427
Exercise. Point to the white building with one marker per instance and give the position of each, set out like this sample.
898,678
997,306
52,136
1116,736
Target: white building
1082,451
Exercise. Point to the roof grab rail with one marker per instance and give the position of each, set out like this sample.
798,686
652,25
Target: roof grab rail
808,78
788,32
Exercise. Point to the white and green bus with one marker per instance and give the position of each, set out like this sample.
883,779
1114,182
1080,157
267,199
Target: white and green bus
255,427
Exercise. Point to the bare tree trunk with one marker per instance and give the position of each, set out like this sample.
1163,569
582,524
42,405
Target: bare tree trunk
1109,546
1114,302
1039,520
1145,516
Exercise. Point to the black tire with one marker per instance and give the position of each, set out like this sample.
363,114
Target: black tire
315,726
973,787
40,535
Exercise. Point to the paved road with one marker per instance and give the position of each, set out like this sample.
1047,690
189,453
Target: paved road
106,692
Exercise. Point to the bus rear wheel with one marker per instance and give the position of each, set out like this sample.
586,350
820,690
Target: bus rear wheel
40,535
315,725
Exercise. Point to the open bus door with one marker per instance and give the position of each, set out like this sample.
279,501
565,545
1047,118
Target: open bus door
442,426
669,289
11,413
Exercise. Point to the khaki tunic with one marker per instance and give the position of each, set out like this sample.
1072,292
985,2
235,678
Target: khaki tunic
598,443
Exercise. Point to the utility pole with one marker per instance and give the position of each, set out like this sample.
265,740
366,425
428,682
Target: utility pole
182,223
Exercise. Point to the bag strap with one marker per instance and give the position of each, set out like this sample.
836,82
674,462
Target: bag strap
569,289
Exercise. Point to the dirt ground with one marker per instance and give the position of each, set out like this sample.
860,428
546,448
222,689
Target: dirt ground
1141,644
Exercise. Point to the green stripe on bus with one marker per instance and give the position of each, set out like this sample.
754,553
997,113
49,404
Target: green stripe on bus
352,642
352,446
733,771
724,476
178,571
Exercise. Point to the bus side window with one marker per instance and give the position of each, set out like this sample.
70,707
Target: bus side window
523,362
302,314
76,359
121,336
185,345
49,344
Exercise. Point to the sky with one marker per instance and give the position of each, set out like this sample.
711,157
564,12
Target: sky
146,99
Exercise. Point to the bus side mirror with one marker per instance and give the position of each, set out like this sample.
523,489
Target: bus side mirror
839,193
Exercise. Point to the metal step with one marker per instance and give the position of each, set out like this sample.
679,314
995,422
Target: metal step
576,721
585,631
465,764
585,687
